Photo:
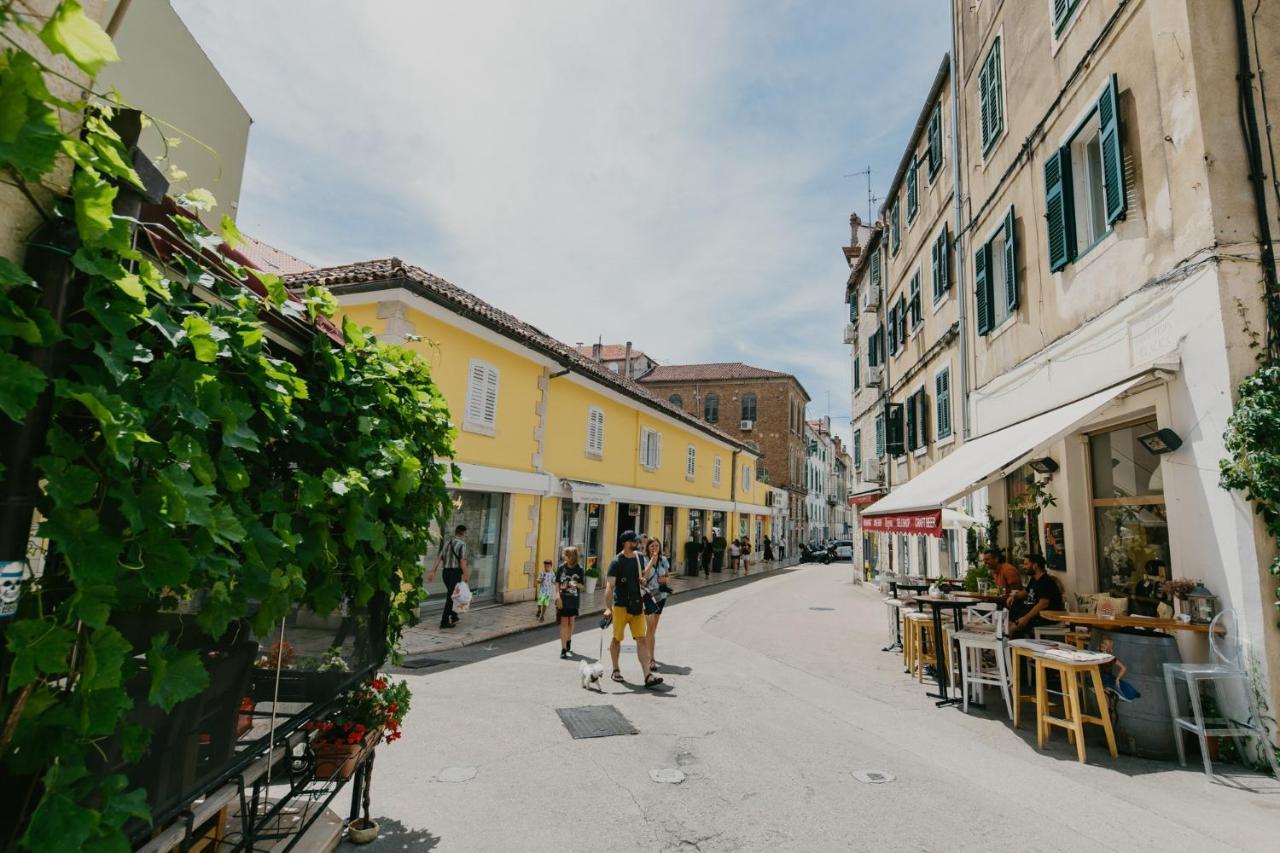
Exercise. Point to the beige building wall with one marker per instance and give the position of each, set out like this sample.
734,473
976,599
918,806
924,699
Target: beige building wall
164,72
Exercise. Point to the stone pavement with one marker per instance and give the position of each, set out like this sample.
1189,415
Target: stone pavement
499,620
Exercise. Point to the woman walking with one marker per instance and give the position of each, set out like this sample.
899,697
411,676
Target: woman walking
656,570
569,580
707,551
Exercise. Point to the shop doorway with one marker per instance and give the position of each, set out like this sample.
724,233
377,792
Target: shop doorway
669,532
482,513
631,517
580,527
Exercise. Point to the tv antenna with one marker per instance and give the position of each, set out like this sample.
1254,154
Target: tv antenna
871,199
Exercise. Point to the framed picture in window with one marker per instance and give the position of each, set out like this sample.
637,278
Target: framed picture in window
1055,550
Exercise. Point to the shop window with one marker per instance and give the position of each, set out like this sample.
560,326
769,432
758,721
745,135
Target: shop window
1130,523
1024,515
711,408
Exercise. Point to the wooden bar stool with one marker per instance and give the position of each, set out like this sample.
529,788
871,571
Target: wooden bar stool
1020,653
1074,717
924,645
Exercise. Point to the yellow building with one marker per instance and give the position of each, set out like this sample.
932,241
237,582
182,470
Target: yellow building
555,449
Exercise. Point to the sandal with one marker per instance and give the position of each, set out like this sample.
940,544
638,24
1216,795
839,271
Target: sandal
617,676
652,681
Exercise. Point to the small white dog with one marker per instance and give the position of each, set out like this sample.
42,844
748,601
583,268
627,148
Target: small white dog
591,674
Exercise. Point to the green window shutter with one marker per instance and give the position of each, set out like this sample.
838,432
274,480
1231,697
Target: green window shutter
913,199
912,444
857,448
1010,263
989,91
875,269
997,86
916,316
936,268
942,398
902,320
893,329
857,372
880,435
1112,152
853,308
1060,219
981,285
935,141
984,111
895,230
922,418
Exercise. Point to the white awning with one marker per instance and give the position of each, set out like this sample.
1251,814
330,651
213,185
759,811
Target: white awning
582,492
954,519
915,506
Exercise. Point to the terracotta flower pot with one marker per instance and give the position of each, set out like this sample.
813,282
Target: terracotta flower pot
340,759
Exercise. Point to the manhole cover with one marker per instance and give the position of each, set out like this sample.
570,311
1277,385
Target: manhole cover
456,774
421,662
667,775
822,608
595,721
873,777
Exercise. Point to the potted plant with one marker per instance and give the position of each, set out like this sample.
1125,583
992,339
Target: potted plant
366,714
1176,590
592,575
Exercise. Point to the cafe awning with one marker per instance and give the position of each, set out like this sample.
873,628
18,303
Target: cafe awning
917,505
865,493
583,492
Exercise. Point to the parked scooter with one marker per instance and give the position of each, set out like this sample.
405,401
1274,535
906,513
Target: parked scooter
815,555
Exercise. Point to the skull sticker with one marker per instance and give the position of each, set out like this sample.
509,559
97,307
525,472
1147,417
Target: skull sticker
11,575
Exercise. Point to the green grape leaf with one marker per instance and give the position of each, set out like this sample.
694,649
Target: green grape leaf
59,825
175,674
75,35
200,333
20,385
93,198
38,647
230,233
12,274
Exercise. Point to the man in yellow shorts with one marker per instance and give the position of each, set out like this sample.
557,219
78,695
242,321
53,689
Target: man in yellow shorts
623,603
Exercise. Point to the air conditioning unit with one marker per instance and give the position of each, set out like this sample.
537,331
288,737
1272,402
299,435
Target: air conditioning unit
875,375
871,297
746,425
871,470
850,332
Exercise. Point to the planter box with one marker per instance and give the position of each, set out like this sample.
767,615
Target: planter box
340,760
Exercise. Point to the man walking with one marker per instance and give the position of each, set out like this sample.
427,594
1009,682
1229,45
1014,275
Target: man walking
623,588
453,555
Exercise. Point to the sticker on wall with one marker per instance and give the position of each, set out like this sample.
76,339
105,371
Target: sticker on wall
11,575
1055,548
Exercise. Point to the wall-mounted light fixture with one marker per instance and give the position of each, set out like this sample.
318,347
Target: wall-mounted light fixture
1044,465
1161,441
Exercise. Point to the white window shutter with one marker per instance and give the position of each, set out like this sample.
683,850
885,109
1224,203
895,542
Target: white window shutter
482,395
491,396
715,472
644,447
657,450
691,462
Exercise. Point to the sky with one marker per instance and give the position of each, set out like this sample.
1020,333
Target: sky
670,172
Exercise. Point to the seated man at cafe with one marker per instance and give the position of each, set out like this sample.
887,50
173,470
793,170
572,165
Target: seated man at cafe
1041,593
1004,577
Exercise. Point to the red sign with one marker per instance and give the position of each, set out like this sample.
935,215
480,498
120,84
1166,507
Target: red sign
927,522
864,499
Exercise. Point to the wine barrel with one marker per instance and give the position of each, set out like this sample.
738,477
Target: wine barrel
1144,727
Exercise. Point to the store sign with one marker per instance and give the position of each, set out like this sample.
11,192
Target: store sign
926,522
864,499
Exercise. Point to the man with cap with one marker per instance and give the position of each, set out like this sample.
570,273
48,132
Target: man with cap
623,603
453,554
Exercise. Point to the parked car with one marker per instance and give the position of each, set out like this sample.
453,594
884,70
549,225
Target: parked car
843,549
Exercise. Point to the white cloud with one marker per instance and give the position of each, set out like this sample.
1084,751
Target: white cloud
665,172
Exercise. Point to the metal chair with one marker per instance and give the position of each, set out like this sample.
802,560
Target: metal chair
1226,659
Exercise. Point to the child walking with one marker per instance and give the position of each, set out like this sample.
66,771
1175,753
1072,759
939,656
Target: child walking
546,588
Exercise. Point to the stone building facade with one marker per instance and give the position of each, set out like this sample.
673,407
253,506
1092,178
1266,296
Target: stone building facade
762,408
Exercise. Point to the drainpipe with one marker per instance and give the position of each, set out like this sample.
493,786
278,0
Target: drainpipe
626,361
957,193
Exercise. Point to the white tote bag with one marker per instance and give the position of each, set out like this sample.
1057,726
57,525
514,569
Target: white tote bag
461,597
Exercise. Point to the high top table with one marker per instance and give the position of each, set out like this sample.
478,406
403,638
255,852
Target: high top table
938,604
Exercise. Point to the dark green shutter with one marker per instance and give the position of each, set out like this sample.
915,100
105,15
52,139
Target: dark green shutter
893,329
893,429
853,308
922,418
1060,220
942,396
857,369
912,443
875,269
937,280
935,140
913,201
1010,263
981,288
944,258
1112,152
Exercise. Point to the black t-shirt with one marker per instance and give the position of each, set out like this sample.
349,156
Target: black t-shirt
567,573
626,574
1043,587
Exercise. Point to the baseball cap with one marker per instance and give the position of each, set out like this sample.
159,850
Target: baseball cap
630,536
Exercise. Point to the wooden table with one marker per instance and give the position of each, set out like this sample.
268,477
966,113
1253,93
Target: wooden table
1092,620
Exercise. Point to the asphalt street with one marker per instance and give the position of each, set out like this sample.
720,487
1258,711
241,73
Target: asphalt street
779,696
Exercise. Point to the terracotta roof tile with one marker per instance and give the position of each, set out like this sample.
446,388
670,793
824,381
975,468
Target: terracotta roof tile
268,258
610,352
713,371
373,275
